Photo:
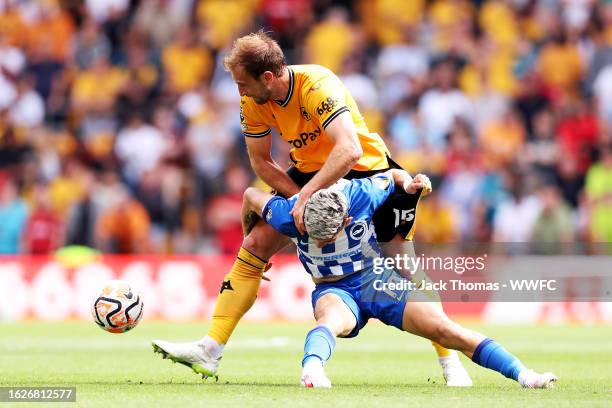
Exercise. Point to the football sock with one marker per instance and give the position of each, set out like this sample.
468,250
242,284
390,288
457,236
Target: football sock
237,295
492,355
442,352
319,345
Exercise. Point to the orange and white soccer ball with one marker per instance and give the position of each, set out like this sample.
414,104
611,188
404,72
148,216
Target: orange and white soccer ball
118,307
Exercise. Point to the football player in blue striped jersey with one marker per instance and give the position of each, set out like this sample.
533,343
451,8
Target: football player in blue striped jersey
339,249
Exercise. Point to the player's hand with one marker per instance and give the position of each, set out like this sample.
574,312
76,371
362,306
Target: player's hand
420,181
298,211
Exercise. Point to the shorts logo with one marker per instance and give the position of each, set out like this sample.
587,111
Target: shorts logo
269,215
358,230
305,114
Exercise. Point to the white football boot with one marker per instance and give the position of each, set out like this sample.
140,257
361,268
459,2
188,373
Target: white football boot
453,371
313,376
193,355
531,379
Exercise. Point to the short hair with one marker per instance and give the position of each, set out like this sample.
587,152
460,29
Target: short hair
257,53
325,213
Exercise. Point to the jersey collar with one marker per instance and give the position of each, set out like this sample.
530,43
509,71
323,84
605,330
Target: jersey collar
290,93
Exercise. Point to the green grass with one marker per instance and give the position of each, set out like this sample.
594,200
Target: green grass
261,367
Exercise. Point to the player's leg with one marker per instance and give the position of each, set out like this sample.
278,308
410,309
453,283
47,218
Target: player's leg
236,296
334,319
453,371
239,288
425,319
394,222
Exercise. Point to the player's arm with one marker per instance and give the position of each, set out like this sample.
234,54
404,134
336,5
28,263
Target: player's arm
343,156
402,179
266,168
373,191
253,203
273,209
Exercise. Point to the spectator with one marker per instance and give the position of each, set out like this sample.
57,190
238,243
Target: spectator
124,226
554,226
320,50
13,215
140,148
28,109
598,189
501,140
161,19
43,229
224,212
436,222
516,215
442,104
542,150
186,63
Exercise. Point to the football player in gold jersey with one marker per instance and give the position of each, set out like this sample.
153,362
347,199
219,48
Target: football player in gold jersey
312,110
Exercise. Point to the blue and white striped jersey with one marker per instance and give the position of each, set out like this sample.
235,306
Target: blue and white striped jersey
356,245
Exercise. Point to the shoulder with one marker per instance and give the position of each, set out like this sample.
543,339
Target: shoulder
311,78
311,71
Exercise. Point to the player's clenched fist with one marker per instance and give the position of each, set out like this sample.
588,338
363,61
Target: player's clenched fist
420,181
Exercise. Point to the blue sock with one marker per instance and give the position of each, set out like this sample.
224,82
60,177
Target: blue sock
492,355
320,343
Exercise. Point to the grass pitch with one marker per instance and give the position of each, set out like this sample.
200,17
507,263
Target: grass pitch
261,367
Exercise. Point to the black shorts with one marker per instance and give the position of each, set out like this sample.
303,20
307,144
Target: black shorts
397,214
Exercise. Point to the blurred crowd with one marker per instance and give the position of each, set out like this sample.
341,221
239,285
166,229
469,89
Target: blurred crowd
119,128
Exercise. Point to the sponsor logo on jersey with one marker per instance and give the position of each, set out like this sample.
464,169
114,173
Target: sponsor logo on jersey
305,138
305,114
327,105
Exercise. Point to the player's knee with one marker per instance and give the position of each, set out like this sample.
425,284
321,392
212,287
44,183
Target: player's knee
256,241
331,311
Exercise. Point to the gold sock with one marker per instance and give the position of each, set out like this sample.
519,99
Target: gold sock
237,295
441,351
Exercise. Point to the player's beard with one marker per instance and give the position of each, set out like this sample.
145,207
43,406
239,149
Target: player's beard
264,97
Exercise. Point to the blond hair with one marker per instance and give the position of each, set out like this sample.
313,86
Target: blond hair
325,213
257,53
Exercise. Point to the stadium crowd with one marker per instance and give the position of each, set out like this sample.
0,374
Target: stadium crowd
119,128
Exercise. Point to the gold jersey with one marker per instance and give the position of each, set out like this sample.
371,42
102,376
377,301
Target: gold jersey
315,98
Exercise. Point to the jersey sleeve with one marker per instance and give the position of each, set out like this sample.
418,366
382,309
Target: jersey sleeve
276,213
369,193
326,100
250,121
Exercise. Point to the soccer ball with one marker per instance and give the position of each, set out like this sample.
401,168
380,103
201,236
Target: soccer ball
118,308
